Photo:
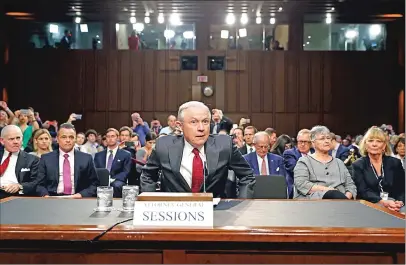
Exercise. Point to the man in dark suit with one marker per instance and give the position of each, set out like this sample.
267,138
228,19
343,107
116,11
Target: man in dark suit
18,170
220,122
196,162
117,161
291,156
67,171
338,150
248,146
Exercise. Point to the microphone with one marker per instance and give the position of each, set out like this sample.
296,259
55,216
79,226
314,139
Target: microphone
205,174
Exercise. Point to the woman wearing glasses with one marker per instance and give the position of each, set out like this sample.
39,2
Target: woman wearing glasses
321,176
379,177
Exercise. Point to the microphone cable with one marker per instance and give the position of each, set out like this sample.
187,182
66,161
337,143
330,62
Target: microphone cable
97,238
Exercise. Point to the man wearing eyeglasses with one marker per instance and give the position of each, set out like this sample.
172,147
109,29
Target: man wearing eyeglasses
291,156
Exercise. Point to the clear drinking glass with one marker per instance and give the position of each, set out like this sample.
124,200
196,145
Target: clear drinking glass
384,196
130,193
104,198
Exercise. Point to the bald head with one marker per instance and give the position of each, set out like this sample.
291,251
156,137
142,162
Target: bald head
12,138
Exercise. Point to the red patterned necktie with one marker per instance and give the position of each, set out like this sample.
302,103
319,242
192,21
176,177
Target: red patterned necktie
4,165
197,172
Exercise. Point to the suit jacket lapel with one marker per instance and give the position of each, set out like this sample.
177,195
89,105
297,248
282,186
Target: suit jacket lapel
55,161
76,168
271,165
255,163
104,156
175,158
116,157
212,157
20,165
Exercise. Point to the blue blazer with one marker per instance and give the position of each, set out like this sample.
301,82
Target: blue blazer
342,152
86,180
121,166
275,164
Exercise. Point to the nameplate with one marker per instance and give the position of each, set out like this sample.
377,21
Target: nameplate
173,211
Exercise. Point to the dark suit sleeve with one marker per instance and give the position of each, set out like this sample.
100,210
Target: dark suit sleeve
282,170
30,186
123,175
289,160
344,155
363,191
228,124
42,173
96,161
399,181
149,173
93,180
244,173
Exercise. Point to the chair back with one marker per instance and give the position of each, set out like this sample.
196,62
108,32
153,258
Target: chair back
104,176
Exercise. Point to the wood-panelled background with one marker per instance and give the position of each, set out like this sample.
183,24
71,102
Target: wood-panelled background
346,91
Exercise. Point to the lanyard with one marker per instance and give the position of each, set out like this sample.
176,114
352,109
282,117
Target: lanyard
379,178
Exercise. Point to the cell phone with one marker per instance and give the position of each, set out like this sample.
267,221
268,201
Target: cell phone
248,120
235,126
24,111
129,144
78,116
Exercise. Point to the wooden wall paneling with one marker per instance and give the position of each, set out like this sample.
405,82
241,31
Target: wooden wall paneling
196,89
209,101
149,78
185,87
261,120
292,81
255,71
113,80
173,90
101,95
244,89
308,120
315,81
89,81
279,74
161,82
285,123
231,79
304,81
268,81
124,78
137,77
173,60
231,59
242,60
220,89
327,76
96,120
118,119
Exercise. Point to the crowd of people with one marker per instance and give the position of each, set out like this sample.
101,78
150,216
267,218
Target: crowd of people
198,151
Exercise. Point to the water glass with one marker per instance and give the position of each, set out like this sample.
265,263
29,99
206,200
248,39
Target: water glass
104,198
130,193
384,196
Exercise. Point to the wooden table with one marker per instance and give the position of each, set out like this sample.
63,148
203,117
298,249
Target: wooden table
45,241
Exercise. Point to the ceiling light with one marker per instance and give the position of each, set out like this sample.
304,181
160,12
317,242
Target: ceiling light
242,33
244,18
53,28
125,9
117,27
258,20
174,19
138,27
309,37
308,43
84,28
272,14
169,34
77,20
328,20
304,45
328,15
147,14
161,18
374,31
280,9
78,13
188,34
133,20
147,20
351,34
224,34
133,14
272,20
230,19
332,9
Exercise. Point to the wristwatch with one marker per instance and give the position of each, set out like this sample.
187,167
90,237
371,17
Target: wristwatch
20,186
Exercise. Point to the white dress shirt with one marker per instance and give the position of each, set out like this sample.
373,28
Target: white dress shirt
186,165
334,151
249,148
260,164
108,154
9,176
71,159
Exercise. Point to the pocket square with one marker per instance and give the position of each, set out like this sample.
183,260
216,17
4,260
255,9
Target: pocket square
277,170
118,160
25,169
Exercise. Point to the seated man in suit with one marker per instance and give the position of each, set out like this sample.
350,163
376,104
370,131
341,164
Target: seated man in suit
117,161
18,169
263,162
338,150
196,161
66,171
291,156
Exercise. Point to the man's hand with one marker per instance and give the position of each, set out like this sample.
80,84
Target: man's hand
72,117
348,195
76,196
3,104
11,188
140,121
391,205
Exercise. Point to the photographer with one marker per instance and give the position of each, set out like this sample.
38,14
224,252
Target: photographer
140,127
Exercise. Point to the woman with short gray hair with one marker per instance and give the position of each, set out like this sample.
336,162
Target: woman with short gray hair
321,176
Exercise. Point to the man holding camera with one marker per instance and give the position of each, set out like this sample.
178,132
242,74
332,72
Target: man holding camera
140,127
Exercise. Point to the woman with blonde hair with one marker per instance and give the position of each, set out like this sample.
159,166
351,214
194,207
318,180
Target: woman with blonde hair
42,142
379,177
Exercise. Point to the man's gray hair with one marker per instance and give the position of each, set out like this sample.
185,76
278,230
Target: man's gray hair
316,130
259,135
303,131
10,128
191,104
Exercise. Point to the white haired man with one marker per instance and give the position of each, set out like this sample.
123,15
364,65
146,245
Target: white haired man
196,161
18,169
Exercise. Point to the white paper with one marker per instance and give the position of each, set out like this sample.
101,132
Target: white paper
216,201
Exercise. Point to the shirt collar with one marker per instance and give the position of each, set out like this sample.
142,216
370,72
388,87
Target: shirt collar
114,149
337,146
7,152
189,148
71,153
260,158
